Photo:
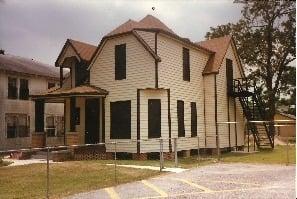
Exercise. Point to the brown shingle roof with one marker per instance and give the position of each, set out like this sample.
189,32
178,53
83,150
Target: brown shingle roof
76,91
219,46
27,66
84,50
147,22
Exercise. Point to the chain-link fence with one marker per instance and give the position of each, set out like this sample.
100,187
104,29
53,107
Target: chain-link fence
161,153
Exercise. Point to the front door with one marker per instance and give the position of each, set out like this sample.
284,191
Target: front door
92,121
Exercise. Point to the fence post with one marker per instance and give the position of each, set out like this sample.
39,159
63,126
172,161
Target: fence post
161,154
198,150
218,147
287,151
47,173
175,152
115,162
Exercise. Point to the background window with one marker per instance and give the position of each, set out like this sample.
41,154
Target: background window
180,118
17,125
154,118
193,119
120,62
50,126
12,88
186,64
120,113
24,89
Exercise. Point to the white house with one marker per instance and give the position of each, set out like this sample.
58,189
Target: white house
19,78
143,82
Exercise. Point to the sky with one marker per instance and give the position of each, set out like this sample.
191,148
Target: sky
38,29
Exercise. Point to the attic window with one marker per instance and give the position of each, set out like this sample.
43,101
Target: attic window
186,64
120,62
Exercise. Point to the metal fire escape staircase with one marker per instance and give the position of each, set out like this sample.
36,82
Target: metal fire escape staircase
254,112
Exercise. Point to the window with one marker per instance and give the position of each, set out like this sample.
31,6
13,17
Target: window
229,68
50,126
180,118
120,62
193,119
17,125
54,125
24,89
186,64
120,113
154,118
50,85
12,88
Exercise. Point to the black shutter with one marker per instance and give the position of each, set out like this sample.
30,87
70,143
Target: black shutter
120,62
180,118
186,64
154,118
39,116
120,119
193,119
72,114
229,71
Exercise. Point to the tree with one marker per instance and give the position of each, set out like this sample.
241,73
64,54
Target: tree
265,37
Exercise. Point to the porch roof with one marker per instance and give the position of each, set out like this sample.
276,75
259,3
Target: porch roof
83,90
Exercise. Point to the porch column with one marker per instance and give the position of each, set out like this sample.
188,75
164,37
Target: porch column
39,115
38,137
61,76
72,114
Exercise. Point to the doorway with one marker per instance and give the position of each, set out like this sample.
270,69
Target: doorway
92,117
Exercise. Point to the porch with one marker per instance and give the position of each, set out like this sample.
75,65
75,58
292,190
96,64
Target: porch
83,115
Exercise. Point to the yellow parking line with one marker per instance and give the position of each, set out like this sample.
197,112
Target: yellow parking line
205,189
112,193
155,188
234,182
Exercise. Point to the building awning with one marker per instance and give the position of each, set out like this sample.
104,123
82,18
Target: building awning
80,91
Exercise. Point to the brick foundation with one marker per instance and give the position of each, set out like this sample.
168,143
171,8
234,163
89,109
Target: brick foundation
72,138
139,156
168,156
93,152
38,139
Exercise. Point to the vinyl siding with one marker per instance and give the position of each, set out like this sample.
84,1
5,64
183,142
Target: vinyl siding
153,145
171,76
223,105
140,74
209,92
148,37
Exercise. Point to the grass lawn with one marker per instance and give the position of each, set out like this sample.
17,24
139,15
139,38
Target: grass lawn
67,178
267,156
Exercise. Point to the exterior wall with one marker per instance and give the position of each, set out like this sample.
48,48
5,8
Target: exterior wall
225,103
153,145
170,71
36,85
140,74
148,37
210,124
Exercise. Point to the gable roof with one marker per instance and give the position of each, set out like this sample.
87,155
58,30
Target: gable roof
219,46
27,66
83,50
147,22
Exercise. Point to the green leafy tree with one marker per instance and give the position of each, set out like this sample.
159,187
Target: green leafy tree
265,37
